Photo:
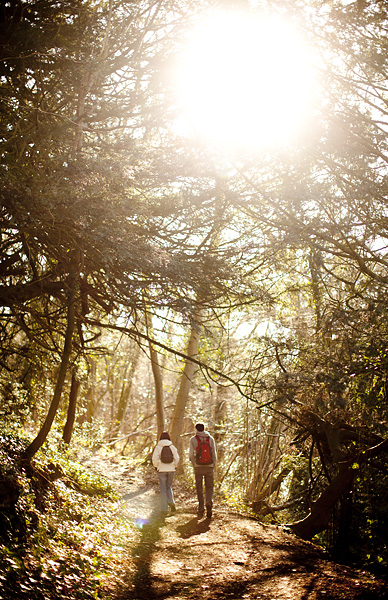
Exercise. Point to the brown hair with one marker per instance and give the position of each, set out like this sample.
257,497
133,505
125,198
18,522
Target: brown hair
200,427
165,436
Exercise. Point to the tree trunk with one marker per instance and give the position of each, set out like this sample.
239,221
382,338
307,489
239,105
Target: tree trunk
321,510
343,535
340,486
44,431
314,262
90,396
125,394
159,395
219,421
184,389
68,429
268,456
267,491
158,380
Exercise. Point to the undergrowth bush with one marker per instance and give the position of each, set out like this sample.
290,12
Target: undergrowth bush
59,526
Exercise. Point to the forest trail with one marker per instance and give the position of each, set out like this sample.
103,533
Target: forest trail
230,556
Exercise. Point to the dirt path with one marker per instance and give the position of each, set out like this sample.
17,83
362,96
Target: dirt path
227,557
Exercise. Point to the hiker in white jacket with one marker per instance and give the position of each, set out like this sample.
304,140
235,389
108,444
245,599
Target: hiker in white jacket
165,470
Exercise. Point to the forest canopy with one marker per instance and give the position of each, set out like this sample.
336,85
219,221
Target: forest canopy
203,239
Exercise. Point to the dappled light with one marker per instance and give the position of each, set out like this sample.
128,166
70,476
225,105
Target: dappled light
193,236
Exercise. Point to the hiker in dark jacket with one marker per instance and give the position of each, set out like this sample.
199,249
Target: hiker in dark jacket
203,472
166,472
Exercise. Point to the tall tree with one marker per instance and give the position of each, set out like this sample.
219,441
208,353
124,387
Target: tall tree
80,138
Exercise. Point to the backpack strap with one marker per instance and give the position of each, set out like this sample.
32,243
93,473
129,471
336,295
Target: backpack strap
200,440
210,448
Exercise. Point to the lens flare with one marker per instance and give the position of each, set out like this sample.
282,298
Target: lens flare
245,80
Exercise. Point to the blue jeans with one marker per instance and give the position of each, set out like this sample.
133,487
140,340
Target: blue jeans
166,496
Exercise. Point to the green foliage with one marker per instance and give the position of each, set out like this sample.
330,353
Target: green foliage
95,192
235,500
74,474
368,538
357,533
87,435
58,537
14,407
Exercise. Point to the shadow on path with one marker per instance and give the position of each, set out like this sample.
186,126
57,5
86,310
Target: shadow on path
143,584
138,492
193,527
141,581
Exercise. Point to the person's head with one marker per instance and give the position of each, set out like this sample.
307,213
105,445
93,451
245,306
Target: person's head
165,436
200,427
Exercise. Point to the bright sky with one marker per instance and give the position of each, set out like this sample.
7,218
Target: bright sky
245,81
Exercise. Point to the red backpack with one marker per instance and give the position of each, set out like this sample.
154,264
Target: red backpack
203,455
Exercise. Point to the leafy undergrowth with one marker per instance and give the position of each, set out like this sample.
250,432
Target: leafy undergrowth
65,534
60,527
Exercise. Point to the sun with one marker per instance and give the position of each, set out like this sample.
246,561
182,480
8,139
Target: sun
245,81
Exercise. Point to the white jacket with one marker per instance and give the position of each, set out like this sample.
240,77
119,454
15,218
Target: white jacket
158,464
